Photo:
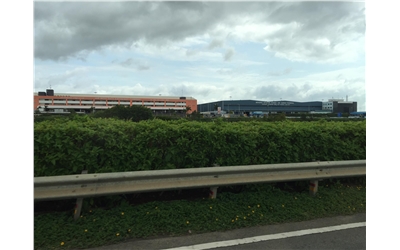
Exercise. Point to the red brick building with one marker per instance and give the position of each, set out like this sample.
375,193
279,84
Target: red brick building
85,103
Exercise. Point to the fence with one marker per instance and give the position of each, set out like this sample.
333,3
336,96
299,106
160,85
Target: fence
88,185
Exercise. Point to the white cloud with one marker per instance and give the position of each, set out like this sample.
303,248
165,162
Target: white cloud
210,50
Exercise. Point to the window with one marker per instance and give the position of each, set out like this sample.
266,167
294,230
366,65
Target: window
74,102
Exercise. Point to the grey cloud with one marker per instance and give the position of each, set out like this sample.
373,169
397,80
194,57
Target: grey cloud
131,63
336,22
90,26
215,43
143,67
191,52
317,15
229,54
74,29
127,62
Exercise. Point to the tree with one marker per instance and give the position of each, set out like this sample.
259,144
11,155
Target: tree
37,111
134,113
196,115
187,110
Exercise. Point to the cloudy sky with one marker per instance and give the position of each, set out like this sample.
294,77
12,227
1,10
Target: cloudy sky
296,51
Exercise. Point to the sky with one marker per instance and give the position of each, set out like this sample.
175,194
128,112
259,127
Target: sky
21,20
295,51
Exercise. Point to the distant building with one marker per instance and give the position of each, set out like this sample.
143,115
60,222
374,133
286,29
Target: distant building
360,114
250,107
85,103
341,106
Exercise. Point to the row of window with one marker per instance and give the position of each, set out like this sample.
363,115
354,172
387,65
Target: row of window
97,100
104,103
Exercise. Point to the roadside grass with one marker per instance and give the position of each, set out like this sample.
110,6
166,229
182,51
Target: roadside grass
254,205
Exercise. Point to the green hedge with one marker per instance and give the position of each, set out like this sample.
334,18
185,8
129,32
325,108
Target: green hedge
105,145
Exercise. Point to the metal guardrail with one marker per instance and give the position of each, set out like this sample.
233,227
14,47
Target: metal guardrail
89,185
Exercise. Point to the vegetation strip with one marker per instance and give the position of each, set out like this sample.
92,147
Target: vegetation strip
254,205
65,147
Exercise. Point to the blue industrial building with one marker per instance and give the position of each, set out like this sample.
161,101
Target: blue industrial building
252,106
359,114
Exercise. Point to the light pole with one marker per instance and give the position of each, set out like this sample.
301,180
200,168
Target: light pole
230,99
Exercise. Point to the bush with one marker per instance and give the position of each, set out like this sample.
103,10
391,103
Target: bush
64,147
133,113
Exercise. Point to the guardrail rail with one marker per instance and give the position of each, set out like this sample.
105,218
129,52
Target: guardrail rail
89,185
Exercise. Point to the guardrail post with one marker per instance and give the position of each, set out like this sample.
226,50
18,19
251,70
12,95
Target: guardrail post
313,184
313,187
79,202
213,192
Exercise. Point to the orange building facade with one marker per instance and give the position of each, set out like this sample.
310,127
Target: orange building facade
85,103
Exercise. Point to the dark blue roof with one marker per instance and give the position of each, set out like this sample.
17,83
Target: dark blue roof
358,113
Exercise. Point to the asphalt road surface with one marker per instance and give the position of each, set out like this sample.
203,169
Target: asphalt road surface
342,232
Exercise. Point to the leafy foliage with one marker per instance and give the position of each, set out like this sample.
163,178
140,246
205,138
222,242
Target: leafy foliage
134,113
68,146
264,204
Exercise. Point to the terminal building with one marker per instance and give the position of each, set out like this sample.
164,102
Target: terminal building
85,103
249,107
340,106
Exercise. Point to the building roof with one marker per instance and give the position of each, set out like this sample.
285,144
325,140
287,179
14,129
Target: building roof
115,96
358,113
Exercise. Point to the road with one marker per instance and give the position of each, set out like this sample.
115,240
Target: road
342,232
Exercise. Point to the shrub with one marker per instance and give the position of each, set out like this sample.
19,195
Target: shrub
109,145
134,113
